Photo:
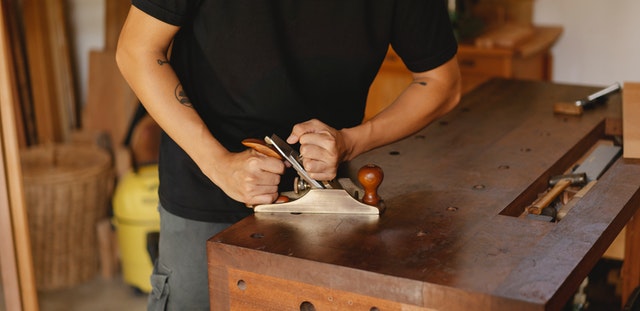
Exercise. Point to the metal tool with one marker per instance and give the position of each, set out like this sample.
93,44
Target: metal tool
598,96
577,107
593,166
347,199
559,184
588,172
340,196
599,161
293,157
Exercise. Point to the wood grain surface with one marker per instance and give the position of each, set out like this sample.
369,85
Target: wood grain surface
451,238
630,125
18,277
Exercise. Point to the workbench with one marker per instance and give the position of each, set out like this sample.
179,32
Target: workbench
452,236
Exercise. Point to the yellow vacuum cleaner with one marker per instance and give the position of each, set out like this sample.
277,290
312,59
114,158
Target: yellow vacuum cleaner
137,222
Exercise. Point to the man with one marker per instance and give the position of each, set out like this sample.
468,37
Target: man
250,68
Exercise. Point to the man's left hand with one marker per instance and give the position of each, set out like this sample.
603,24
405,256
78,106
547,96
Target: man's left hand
322,148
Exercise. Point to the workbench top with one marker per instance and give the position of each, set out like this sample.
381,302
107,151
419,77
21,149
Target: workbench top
451,237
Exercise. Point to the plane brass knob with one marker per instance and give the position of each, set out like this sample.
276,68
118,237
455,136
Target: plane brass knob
370,177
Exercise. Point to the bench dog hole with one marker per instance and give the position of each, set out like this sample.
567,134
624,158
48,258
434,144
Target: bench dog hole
307,306
242,285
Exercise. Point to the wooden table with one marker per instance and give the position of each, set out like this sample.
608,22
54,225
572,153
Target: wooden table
451,238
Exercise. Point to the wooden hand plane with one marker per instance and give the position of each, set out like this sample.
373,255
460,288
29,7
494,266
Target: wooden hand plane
338,197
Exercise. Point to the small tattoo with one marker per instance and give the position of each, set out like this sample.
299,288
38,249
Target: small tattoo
420,82
162,62
181,96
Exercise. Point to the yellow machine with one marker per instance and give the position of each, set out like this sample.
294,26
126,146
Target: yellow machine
137,221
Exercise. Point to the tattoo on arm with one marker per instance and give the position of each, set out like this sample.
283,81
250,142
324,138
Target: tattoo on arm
181,96
179,92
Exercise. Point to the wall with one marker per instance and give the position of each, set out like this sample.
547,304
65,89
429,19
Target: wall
87,28
601,40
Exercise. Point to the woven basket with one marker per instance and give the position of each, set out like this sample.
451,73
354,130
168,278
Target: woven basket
67,190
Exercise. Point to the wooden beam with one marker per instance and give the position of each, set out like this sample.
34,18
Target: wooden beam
10,280
22,104
17,263
630,115
51,76
116,13
40,72
110,101
630,265
57,26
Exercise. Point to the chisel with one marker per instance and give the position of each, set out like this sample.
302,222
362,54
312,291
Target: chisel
578,107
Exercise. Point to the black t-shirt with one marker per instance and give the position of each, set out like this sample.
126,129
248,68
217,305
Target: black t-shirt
252,68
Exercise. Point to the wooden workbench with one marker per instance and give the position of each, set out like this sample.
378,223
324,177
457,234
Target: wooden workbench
451,238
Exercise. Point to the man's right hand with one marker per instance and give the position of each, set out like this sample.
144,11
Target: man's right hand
249,177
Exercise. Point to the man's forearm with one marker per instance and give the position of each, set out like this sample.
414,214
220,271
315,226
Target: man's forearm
141,57
427,98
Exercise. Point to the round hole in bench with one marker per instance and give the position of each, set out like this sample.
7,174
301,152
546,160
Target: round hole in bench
307,306
242,285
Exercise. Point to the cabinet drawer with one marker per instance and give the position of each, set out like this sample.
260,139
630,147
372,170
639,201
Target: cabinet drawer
493,65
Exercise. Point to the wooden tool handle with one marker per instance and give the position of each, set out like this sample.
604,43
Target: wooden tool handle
567,108
370,176
282,199
262,147
546,199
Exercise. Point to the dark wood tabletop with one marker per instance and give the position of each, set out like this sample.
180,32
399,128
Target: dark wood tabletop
452,236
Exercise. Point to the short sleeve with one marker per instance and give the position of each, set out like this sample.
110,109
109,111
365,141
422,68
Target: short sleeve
422,34
174,12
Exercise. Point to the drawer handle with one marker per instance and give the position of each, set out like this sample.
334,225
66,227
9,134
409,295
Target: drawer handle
467,63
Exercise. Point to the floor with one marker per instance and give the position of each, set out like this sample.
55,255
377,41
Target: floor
603,289
96,295
602,294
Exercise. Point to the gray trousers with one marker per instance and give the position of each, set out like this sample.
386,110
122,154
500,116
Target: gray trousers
180,280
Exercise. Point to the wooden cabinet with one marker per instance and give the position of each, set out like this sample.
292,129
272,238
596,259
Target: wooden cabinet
529,60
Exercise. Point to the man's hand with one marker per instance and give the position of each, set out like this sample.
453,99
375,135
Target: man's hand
322,148
249,177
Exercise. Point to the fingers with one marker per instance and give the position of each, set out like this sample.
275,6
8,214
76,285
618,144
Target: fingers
251,177
321,147
320,155
303,128
260,179
259,162
266,198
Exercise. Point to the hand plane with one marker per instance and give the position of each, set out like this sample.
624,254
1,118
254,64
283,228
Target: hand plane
341,196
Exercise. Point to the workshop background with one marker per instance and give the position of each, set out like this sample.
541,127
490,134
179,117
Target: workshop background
599,45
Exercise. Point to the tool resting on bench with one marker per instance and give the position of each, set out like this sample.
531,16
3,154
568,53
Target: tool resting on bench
578,107
326,197
559,184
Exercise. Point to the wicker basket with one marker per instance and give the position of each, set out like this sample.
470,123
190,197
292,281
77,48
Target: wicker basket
67,190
